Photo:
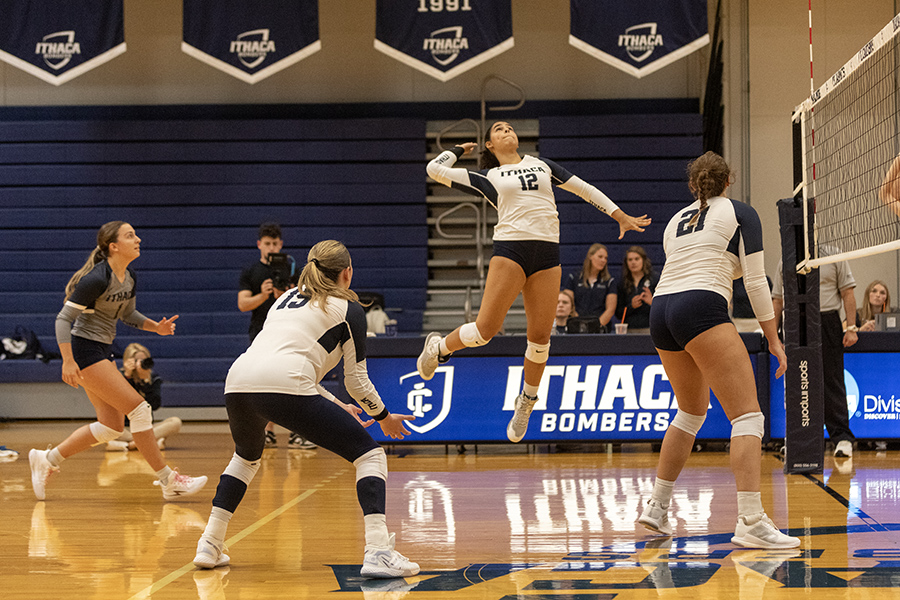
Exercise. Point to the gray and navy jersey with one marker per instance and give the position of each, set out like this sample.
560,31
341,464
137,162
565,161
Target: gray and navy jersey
299,344
724,243
522,193
98,302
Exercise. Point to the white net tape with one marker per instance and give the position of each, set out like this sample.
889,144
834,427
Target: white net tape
851,138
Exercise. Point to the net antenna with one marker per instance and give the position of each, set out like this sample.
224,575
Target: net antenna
849,134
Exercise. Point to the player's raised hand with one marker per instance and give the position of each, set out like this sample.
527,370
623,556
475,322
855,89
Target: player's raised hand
468,147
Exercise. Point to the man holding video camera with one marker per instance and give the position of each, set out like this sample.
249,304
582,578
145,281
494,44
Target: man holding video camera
261,283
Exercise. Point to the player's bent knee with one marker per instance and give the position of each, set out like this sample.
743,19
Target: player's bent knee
141,418
748,424
537,353
242,469
102,433
471,337
687,422
371,464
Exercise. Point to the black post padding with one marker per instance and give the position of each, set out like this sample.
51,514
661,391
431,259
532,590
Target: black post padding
804,385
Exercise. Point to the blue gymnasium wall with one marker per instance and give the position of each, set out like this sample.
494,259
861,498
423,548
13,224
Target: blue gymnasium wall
197,180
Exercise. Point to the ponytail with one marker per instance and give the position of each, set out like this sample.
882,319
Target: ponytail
107,234
319,278
708,176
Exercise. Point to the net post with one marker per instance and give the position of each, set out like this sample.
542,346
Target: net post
804,384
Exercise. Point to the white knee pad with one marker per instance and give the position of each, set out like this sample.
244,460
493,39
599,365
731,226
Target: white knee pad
242,469
141,418
537,353
470,336
687,422
102,433
371,464
748,424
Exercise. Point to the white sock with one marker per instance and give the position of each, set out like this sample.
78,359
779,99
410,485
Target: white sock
377,535
217,524
529,390
662,491
749,504
442,347
164,474
55,457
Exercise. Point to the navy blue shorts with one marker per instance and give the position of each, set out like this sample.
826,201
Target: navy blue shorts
88,352
676,319
531,255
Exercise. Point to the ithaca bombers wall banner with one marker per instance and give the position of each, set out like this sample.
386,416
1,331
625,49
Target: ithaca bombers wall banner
443,37
251,40
58,40
639,37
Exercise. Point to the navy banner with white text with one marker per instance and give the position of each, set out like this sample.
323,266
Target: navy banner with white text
443,38
251,40
639,37
58,40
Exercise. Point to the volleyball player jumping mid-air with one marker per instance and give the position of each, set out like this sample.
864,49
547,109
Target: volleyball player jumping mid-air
526,252
98,295
708,243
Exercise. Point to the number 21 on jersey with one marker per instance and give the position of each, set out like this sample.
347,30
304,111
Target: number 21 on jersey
684,225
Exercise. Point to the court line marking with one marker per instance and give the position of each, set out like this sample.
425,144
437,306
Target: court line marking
252,528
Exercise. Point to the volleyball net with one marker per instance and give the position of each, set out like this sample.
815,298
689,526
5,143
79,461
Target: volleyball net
846,159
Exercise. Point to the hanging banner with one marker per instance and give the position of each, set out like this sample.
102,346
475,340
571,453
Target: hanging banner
639,37
443,38
251,40
58,40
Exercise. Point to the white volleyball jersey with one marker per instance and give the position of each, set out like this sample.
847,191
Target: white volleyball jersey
724,243
299,344
522,193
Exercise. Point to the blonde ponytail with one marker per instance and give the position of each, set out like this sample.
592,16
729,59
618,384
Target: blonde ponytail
319,278
107,234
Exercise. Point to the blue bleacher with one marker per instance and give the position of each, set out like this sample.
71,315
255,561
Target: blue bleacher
196,190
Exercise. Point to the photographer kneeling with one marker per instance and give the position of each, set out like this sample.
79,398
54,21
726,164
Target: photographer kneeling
137,367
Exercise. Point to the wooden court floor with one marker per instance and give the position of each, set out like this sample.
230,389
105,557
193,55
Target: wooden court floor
510,522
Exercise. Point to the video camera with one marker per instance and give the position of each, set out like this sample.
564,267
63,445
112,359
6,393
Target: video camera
282,267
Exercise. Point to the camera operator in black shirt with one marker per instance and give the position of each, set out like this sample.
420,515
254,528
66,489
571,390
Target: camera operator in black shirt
261,283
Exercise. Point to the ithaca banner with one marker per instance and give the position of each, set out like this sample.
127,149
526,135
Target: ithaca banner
251,40
639,37
443,38
58,40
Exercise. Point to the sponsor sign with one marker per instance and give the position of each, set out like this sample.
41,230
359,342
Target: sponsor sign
443,38
57,40
251,40
582,398
638,37
873,396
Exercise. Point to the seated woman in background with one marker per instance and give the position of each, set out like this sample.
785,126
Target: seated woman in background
593,288
877,299
635,291
137,367
565,310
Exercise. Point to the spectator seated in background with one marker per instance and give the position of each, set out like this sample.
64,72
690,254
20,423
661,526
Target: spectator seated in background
593,288
565,309
636,290
137,367
877,299
742,314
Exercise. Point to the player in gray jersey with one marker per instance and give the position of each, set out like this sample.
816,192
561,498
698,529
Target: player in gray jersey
305,334
708,244
99,295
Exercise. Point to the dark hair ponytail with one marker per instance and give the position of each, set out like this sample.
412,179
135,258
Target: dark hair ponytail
487,159
708,176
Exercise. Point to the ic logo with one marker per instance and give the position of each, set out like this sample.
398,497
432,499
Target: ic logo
445,44
58,48
423,402
640,41
252,47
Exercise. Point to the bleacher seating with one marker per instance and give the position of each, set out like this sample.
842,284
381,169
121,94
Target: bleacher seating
196,190
638,160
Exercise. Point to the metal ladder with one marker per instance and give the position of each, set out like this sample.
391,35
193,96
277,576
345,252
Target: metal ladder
461,226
